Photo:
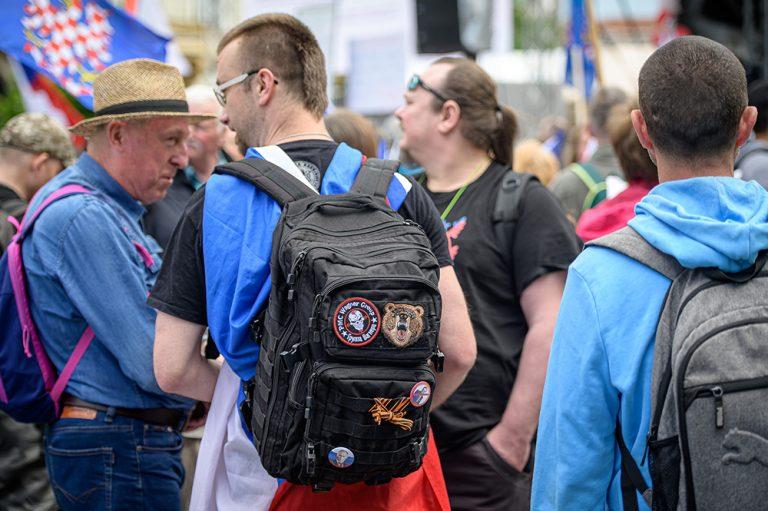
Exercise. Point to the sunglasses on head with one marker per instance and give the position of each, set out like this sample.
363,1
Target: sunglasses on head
416,81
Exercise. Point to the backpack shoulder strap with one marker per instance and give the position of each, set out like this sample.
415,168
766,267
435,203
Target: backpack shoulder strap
593,180
628,242
374,177
16,270
508,197
631,477
268,177
506,210
28,221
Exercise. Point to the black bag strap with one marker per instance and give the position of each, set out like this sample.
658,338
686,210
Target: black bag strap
628,242
268,177
631,478
374,177
507,209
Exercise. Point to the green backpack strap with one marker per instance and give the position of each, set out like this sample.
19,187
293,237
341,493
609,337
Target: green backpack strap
593,180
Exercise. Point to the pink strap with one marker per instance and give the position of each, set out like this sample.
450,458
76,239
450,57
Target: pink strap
26,223
69,367
18,282
15,223
3,395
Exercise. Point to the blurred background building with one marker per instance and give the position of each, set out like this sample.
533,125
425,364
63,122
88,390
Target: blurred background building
530,47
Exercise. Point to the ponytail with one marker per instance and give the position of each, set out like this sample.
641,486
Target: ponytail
502,143
484,123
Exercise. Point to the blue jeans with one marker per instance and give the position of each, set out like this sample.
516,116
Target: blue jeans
112,463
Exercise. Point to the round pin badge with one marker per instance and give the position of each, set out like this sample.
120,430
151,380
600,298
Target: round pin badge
420,394
356,322
341,457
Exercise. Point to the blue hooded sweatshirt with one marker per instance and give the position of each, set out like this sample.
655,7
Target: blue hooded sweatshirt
602,354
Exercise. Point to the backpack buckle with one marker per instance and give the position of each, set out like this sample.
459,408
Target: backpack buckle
290,358
245,407
438,360
311,460
416,448
257,328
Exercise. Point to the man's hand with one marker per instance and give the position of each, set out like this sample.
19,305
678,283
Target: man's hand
198,417
512,448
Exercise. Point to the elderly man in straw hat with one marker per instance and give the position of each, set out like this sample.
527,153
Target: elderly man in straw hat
89,268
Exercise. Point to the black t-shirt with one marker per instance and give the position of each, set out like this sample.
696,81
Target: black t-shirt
543,241
180,287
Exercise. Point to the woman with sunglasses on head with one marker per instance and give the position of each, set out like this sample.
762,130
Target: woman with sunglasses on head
512,273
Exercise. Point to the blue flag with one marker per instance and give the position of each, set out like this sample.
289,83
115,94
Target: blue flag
72,41
580,54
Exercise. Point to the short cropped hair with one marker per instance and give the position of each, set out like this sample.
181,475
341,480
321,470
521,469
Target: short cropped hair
288,48
693,92
758,98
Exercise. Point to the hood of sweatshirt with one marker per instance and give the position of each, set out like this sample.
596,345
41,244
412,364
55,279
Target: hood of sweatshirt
703,222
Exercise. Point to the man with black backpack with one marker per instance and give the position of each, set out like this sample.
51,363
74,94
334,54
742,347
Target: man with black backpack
657,381
334,374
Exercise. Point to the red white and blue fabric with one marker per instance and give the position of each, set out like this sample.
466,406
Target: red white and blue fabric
73,41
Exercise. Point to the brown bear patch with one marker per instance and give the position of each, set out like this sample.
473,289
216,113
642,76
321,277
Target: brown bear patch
403,323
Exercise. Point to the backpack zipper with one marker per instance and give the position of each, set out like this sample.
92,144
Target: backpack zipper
296,267
390,224
718,390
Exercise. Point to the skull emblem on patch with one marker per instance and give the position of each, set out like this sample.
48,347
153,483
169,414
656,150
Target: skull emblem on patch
403,323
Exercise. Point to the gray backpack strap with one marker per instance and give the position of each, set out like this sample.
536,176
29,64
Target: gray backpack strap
628,242
374,177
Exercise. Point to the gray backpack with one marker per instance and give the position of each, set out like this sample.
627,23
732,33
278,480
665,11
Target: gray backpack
708,439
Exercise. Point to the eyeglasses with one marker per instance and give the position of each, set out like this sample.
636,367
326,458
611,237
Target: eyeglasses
218,91
415,81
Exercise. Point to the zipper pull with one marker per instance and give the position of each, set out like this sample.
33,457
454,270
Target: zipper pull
717,392
294,274
648,439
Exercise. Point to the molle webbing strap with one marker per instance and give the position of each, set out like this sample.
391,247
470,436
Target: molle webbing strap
268,177
628,242
374,177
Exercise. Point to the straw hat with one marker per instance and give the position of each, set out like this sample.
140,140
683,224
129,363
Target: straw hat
137,89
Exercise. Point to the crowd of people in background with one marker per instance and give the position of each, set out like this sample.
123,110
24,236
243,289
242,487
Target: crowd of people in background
157,221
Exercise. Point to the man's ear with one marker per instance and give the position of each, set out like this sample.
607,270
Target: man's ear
746,124
265,84
450,115
38,161
638,122
116,132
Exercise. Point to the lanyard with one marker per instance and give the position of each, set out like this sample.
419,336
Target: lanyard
459,192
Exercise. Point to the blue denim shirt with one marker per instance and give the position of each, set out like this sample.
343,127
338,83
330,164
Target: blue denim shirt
83,269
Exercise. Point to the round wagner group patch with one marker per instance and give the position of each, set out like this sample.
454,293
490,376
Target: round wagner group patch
420,394
356,321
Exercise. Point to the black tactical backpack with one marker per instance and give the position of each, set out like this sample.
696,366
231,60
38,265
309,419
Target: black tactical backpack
343,389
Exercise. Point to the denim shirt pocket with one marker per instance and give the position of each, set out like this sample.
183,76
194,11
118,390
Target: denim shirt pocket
148,256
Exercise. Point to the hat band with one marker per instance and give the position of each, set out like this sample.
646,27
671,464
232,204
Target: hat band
152,105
